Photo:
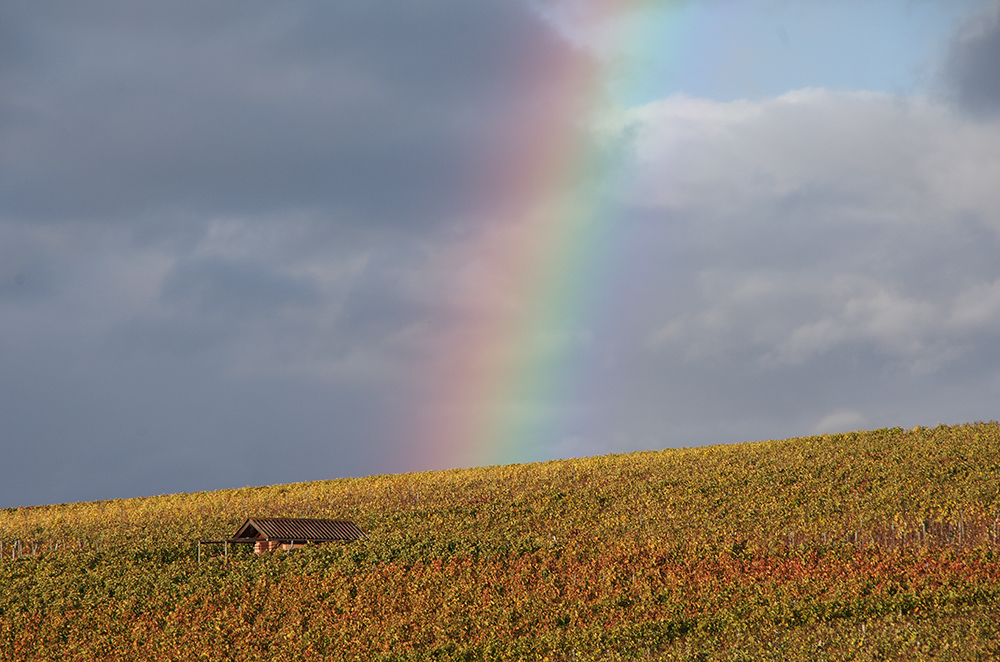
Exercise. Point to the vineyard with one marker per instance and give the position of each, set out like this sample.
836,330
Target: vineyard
861,546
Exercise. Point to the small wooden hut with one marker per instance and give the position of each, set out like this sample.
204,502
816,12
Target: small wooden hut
270,533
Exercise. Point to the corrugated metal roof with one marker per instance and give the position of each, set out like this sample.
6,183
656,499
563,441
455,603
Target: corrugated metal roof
287,528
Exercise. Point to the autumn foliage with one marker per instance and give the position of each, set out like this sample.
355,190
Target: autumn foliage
868,545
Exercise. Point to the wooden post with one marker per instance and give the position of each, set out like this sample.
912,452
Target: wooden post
199,552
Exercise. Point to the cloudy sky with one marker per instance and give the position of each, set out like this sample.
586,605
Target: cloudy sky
253,243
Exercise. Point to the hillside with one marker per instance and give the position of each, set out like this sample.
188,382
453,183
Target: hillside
868,545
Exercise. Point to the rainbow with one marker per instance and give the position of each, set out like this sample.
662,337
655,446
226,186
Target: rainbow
502,389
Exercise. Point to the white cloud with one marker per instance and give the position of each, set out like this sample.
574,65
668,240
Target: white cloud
876,156
842,420
867,313
821,220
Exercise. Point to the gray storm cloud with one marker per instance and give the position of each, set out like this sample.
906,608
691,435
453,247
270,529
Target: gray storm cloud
233,241
209,217
972,69
114,111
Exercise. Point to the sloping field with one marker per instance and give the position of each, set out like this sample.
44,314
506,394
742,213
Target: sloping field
868,545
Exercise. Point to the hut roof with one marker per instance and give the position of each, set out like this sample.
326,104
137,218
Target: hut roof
297,529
